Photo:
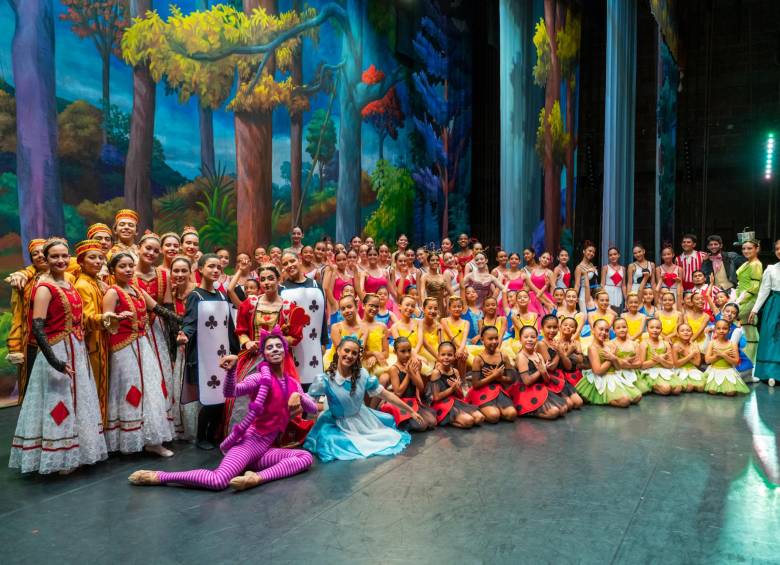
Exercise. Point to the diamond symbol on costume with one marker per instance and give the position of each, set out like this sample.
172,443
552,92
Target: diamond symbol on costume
211,323
314,363
134,396
214,382
59,413
313,333
222,351
313,307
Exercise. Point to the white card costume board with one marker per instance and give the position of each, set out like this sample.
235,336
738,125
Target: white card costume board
213,345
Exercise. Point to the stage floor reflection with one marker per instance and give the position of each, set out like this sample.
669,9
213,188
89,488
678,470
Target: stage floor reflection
692,479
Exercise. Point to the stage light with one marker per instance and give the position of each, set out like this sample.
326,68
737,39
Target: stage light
770,156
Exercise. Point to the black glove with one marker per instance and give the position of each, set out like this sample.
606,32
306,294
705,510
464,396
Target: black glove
45,346
168,315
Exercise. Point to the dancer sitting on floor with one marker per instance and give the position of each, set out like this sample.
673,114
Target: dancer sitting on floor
722,356
276,397
602,384
445,392
349,429
687,358
409,386
489,376
657,369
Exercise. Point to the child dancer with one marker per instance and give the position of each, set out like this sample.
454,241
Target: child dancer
697,319
445,393
409,327
552,353
473,314
668,275
640,273
276,396
687,358
572,359
489,376
55,433
657,363
669,316
376,355
408,386
351,325
455,330
427,348
648,303
569,308
385,315
635,320
586,280
601,384
722,357
491,317
613,280
349,429
531,393
627,352
562,273
558,295
522,318
736,336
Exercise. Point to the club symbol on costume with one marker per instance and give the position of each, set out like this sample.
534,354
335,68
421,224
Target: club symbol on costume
211,323
222,351
224,322
314,363
214,382
313,307
296,362
313,333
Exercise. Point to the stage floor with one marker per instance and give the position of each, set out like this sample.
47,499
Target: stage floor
674,480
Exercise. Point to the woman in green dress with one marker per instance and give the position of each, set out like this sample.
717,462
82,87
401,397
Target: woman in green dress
768,302
748,283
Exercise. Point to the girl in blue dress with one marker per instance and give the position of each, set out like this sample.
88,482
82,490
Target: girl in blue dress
349,429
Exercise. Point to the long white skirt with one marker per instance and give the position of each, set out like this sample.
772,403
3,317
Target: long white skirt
185,416
137,408
159,345
59,426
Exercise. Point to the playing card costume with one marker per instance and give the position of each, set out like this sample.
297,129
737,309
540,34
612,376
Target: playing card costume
60,426
307,353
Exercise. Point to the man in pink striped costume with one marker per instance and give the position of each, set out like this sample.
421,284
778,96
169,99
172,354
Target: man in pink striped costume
248,449
689,260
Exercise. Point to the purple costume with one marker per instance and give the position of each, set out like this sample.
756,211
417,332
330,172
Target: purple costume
248,447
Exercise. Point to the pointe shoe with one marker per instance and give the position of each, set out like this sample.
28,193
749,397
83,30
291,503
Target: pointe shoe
159,450
144,478
249,480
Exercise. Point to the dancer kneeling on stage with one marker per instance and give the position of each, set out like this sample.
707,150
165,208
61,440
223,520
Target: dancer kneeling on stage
276,398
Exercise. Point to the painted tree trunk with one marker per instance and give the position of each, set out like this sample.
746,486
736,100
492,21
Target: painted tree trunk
254,163
552,181
350,124
296,139
570,154
138,165
37,165
206,123
253,159
382,136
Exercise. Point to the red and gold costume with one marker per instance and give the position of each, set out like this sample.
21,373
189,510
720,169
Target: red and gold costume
18,340
124,214
91,294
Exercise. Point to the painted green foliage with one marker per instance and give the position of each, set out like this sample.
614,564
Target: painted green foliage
395,192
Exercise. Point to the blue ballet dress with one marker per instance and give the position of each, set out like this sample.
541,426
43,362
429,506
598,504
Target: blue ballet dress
349,429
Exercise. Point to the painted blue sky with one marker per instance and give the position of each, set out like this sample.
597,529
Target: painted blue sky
176,126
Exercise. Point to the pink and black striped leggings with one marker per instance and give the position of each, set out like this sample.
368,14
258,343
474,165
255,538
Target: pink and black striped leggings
252,453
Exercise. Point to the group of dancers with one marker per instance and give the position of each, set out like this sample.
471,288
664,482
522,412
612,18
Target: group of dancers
126,343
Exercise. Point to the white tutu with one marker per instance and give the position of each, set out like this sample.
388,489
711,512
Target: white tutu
137,409
159,343
42,444
628,376
690,375
655,374
718,375
185,416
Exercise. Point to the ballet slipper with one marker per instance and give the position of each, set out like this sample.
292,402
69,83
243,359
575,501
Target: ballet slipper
159,450
250,479
144,478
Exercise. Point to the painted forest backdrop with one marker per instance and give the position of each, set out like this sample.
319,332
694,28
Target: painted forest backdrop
242,118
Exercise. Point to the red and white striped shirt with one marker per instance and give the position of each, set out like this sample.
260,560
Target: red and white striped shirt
689,264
